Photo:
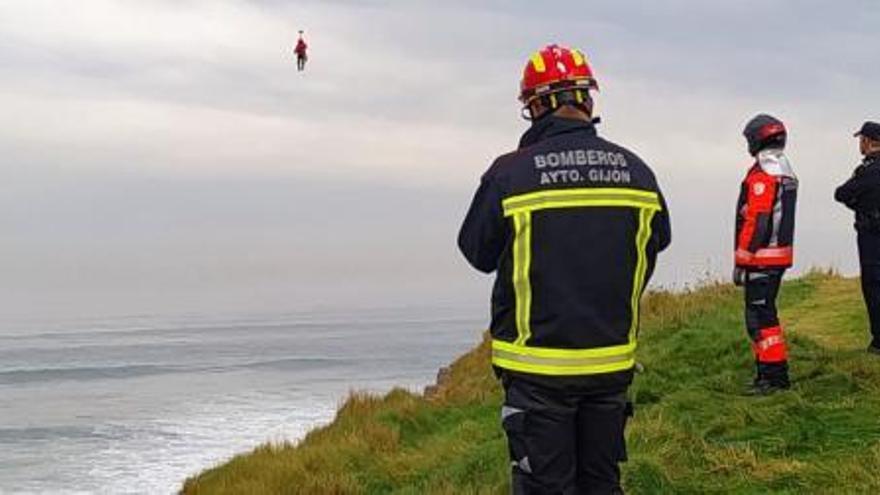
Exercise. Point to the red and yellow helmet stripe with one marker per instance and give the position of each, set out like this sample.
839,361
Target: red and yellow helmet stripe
555,68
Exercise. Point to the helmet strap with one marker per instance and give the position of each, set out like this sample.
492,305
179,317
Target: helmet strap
546,104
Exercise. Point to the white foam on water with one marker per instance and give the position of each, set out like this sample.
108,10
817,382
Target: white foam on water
228,391
156,456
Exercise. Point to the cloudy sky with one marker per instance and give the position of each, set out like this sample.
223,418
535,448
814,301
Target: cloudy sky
164,156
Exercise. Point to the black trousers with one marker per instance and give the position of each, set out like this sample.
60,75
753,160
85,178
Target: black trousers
761,314
564,441
869,259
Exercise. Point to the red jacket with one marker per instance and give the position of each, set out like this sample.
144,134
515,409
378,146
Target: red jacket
300,47
765,214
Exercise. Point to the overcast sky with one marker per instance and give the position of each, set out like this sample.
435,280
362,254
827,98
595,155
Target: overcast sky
164,156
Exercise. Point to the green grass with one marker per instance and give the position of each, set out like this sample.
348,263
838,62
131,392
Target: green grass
694,430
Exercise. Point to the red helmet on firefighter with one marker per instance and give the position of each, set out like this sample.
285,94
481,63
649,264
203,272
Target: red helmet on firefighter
555,76
764,131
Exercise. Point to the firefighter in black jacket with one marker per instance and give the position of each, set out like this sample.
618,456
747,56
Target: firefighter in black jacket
571,224
764,246
861,193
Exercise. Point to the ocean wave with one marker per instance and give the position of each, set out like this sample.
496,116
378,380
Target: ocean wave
12,377
232,326
54,433
86,373
294,363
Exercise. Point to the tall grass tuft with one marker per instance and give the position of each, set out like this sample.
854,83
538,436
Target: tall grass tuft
695,431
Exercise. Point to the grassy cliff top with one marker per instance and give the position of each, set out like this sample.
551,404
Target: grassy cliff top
694,431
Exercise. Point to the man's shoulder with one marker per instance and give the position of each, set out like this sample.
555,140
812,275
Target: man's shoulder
573,143
633,160
504,163
631,155
576,156
867,175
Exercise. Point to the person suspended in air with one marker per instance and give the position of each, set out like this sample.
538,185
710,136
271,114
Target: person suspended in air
300,51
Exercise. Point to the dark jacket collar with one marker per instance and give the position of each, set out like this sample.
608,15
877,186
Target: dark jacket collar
551,126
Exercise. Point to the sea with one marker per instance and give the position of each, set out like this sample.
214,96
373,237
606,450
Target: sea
136,404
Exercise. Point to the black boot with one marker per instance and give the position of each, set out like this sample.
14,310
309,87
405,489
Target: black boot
764,386
771,378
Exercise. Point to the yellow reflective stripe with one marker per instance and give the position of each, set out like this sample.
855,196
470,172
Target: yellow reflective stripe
586,191
578,203
522,260
524,359
518,356
584,197
578,57
563,370
642,237
554,353
538,62
558,362
560,366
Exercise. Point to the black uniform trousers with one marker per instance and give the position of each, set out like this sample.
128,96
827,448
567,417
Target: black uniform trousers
564,440
869,259
761,291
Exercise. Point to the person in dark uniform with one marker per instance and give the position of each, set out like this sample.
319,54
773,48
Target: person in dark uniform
571,224
861,193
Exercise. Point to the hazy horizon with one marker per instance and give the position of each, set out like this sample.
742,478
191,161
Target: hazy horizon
166,157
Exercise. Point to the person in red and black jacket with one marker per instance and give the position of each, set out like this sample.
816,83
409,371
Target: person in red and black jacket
300,51
765,246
